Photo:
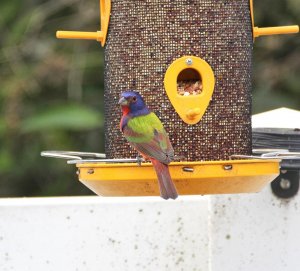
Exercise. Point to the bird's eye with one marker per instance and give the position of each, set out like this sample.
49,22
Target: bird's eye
134,99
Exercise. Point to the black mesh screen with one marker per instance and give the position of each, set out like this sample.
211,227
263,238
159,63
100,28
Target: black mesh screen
145,37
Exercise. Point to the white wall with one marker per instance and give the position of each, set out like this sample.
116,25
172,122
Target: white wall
234,232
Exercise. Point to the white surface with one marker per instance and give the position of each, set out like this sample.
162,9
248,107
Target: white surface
231,232
255,232
94,233
278,118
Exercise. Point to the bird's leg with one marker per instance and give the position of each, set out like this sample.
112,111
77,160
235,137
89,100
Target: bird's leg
179,157
139,159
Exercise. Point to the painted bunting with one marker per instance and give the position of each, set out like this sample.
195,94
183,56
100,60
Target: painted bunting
145,132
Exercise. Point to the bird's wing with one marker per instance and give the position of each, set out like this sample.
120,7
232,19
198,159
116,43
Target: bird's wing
148,136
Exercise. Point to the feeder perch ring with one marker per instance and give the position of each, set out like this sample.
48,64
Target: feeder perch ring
190,108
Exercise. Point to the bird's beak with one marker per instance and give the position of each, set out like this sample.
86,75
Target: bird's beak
123,101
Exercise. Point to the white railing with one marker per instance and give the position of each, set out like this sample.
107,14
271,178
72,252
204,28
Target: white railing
230,232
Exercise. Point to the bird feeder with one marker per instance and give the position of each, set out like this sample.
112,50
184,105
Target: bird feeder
191,61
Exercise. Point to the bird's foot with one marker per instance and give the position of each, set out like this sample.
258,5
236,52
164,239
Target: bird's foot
178,158
139,160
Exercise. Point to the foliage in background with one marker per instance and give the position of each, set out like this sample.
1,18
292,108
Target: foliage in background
276,75
51,90
51,94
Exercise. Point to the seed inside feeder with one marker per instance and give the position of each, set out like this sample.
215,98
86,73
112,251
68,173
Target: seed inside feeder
189,82
189,87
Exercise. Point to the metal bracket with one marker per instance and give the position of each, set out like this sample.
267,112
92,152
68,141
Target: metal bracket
266,154
74,157
286,185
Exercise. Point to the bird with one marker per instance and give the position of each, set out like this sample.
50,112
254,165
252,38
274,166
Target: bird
146,134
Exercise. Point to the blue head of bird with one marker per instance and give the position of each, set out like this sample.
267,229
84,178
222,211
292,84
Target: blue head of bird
133,101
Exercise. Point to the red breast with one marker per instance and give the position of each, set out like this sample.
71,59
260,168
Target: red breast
125,111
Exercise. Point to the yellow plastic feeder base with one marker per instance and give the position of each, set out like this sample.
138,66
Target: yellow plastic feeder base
190,178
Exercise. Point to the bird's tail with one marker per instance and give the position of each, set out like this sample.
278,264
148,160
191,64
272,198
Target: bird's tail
166,185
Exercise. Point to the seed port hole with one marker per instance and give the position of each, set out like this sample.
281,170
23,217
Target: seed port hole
189,82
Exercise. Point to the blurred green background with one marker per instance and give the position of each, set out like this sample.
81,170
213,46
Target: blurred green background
52,91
